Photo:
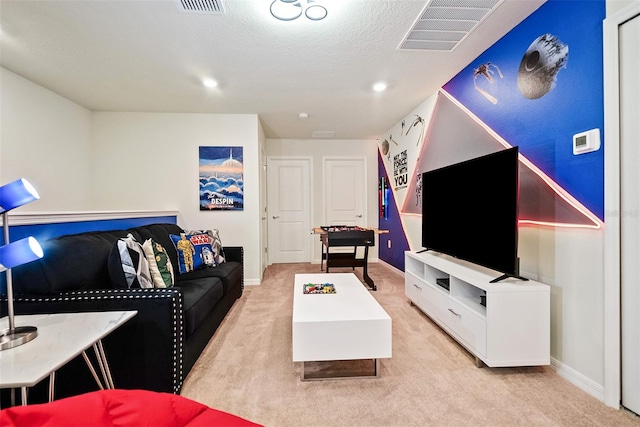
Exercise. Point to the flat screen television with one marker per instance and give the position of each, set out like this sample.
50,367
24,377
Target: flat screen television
470,211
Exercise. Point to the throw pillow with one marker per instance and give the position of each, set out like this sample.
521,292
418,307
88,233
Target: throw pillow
216,244
159,264
128,268
194,251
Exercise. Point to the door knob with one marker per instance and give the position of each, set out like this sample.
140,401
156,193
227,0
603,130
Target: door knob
359,216
275,217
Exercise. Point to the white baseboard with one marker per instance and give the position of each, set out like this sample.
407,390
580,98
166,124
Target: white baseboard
251,282
579,380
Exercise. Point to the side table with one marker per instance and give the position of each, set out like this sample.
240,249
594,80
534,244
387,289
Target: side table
61,337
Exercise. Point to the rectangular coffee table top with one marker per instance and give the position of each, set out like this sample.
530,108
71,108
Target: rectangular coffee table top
347,325
352,301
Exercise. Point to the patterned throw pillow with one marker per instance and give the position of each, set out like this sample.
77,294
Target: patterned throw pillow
194,251
128,268
216,244
159,264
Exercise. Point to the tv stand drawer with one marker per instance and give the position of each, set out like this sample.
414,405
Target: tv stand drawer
468,327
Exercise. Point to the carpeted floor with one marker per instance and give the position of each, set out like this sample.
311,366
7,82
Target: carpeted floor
247,370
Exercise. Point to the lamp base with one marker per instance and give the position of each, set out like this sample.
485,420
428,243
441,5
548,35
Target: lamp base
10,338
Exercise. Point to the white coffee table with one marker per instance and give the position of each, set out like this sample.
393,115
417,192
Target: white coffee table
347,325
61,337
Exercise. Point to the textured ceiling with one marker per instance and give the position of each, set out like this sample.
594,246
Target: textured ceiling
150,56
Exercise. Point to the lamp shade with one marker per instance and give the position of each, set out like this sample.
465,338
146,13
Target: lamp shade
19,252
17,193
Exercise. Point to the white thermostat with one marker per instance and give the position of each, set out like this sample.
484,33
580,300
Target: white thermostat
586,142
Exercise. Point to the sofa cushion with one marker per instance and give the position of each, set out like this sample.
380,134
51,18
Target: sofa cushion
200,296
128,267
194,251
159,264
214,241
230,273
160,232
68,265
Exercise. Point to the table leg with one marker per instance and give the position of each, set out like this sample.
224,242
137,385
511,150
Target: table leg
103,356
101,364
52,385
316,377
92,369
327,259
24,395
365,274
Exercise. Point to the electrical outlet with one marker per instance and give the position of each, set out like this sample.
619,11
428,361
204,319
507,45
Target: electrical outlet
389,243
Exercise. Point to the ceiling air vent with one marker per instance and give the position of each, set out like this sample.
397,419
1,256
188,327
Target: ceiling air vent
443,24
212,7
323,134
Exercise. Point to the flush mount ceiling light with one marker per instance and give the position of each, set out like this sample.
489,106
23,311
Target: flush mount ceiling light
209,82
379,87
289,10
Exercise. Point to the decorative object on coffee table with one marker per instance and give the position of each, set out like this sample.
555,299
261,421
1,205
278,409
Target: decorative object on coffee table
319,288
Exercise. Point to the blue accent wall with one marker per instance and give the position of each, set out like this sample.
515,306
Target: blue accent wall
541,124
44,232
543,127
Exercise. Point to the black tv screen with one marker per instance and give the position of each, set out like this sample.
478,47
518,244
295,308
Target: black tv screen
470,210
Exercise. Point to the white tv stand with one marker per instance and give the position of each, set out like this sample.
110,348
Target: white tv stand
511,329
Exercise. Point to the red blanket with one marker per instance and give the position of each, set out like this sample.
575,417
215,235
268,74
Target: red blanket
120,408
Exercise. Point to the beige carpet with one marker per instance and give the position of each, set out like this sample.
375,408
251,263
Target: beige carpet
247,370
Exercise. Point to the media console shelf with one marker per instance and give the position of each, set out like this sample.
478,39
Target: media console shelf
501,324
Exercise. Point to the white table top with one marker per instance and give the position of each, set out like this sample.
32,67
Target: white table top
61,337
352,301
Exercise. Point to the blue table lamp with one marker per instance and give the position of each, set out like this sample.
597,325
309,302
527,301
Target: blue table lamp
13,195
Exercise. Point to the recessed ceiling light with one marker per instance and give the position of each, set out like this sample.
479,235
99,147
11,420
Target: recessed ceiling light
303,116
379,87
209,82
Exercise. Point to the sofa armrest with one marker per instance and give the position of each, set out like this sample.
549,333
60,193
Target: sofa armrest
234,253
144,353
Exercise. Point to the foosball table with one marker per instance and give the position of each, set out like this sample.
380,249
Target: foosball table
346,236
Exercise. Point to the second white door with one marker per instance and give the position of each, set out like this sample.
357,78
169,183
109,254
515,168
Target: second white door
344,191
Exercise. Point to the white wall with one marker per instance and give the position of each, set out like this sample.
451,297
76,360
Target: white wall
570,261
317,149
150,161
614,6
44,138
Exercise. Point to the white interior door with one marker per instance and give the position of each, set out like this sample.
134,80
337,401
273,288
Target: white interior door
289,209
345,191
629,36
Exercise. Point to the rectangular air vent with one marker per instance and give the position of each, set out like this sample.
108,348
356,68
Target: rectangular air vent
212,7
323,133
444,24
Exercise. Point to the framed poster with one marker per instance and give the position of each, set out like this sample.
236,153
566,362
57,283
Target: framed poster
221,178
